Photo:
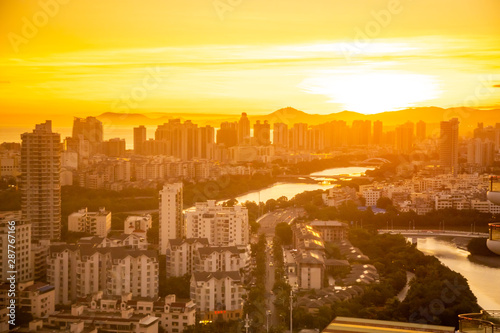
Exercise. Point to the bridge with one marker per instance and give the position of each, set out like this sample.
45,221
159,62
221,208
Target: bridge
433,233
375,160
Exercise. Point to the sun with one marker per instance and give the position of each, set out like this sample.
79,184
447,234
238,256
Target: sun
372,92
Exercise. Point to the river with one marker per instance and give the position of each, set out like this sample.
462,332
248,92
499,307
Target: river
289,190
483,280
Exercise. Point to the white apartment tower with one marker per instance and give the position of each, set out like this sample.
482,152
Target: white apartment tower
171,218
22,235
40,181
222,226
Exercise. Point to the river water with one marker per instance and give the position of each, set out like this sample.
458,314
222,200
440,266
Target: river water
483,280
289,190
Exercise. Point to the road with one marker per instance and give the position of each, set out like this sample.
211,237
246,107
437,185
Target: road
268,224
268,221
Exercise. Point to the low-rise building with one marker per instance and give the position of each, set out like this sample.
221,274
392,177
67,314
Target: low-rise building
123,320
95,223
137,225
36,298
330,231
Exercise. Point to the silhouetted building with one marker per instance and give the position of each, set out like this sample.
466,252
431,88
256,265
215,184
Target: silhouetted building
421,130
139,139
90,129
228,134
114,147
377,132
448,145
262,133
404,138
244,129
40,181
280,135
298,136
481,153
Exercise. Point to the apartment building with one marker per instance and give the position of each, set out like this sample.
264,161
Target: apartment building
40,181
36,298
222,226
221,258
181,254
218,295
20,231
172,223
79,270
95,223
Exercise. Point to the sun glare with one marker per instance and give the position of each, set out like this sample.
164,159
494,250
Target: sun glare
373,92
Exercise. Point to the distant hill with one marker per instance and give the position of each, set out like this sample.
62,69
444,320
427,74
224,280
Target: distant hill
468,117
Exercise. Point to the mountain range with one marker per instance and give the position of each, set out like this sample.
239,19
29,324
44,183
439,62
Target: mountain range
468,117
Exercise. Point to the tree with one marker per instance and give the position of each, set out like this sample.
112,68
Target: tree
384,202
284,232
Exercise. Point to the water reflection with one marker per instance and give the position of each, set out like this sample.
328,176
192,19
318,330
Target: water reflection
483,280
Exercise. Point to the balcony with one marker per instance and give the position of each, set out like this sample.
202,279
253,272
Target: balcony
484,322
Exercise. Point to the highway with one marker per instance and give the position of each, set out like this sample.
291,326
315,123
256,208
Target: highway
269,221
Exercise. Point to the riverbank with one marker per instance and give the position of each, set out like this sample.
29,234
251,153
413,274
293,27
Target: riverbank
490,261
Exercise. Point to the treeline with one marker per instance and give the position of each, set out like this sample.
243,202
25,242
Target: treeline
437,294
255,300
448,219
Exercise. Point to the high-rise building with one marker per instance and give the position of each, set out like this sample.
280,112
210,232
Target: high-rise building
298,136
262,133
139,139
404,138
228,134
378,131
280,135
448,145
222,226
89,129
421,130
171,218
181,139
114,147
40,181
481,153
361,132
244,129
488,133
206,142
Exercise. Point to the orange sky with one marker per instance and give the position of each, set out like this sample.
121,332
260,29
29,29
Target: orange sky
85,57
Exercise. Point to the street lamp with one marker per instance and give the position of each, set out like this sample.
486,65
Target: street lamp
268,312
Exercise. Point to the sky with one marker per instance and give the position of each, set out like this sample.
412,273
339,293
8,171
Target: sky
65,58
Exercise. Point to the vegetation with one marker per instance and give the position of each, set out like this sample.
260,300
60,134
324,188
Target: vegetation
180,286
255,303
477,246
281,288
437,294
284,234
